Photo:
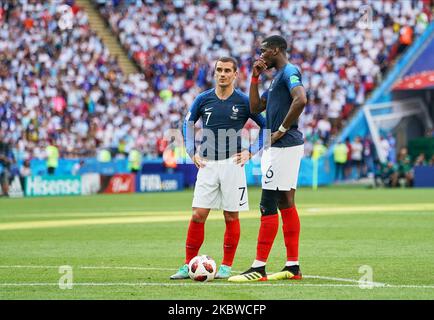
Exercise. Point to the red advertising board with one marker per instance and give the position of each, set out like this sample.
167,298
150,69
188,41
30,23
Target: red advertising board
118,183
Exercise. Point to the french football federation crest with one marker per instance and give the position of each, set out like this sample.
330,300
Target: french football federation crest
234,115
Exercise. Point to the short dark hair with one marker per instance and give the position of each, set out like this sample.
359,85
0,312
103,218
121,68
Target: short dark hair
275,41
228,59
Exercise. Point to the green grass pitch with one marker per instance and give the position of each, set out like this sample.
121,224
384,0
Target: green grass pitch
127,246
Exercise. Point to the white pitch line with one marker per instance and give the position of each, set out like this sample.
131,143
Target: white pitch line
88,267
357,282
29,267
128,268
213,284
172,269
164,284
304,276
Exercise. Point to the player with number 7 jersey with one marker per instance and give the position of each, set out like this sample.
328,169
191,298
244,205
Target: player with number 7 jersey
220,158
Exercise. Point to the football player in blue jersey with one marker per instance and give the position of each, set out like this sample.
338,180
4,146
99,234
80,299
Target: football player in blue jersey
220,158
284,101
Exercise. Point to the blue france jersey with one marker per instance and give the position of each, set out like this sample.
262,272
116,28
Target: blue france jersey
279,100
222,123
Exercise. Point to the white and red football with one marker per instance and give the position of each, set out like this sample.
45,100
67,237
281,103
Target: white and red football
202,268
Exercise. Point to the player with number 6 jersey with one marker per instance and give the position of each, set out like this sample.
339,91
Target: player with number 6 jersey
220,158
284,101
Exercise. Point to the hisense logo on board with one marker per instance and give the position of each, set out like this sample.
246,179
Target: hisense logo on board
50,186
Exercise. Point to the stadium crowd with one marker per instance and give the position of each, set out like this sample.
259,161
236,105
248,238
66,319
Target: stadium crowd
60,84
342,57
63,85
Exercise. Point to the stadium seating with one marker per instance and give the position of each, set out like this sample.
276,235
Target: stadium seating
342,57
63,84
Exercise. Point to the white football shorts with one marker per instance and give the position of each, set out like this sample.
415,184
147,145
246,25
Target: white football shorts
222,185
280,167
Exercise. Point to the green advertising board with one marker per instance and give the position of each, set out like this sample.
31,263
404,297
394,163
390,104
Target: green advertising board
421,145
37,186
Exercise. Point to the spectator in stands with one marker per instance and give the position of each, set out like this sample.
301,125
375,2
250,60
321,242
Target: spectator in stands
104,155
357,155
334,111
324,129
405,168
392,147
169,159
420,160
405,38
318,150
348,168
368,156
386,175
340,154
431,162
161,146
52,156
75,171
121,151
385,147
25,171
135,160
101,3
6,161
